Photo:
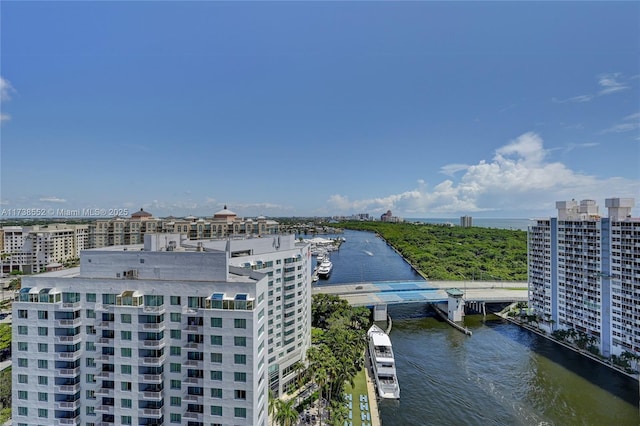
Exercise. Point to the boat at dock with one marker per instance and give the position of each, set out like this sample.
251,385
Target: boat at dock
324,270
383,363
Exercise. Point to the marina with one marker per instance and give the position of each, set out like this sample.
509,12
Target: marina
383,363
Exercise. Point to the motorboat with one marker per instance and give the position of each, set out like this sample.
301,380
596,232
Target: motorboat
383,363
324,270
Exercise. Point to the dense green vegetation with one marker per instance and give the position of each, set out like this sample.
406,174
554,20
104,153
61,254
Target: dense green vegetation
454,252
5,336
5,395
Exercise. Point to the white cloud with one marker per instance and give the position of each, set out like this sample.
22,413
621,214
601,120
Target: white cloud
610,83
6,90
630,123
452,169
518,179
4,117
578,99
53,200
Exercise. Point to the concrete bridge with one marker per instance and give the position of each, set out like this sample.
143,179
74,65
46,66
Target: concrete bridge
463,293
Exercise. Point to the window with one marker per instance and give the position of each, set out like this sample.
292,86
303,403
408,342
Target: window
22,313
239,412
125,318
125,369
239,323
22,329
239,359
43,396
125,420
216,410
216,357
174,367
91,297
43,380
175,300
43,413
42,331
125,386
216,375
91,394
22,411
239,376
216,322
240,394
125,352
91,313
176,334
125,335
176,317
43,315
91,346
175,401
176,384
216,340
240,341
23,378
43,347
125,403
216,393
23,362
23,346
175,350
175,418
23,394
90,378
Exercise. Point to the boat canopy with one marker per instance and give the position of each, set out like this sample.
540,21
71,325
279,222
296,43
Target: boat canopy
380,339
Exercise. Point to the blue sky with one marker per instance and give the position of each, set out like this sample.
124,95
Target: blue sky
429,109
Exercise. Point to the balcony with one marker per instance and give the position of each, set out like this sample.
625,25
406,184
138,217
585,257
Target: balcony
68,421
154,396
153,343
68,322
70,305
155,413
68,389
105,392
67,372
151,378
104,341
105,409
67,405
151,327
105,375
193,380
154,309
68,356
194,345
192,416
152,361
68,339
192,398
194,363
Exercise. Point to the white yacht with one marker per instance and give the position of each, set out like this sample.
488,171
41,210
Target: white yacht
383,363
324,270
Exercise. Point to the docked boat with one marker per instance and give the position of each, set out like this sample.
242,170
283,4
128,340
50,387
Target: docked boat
324,270
383,363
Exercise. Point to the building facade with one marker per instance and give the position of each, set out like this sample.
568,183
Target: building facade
466,221
33,249
584,273
163,335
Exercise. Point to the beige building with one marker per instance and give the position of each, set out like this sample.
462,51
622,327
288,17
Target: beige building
223,224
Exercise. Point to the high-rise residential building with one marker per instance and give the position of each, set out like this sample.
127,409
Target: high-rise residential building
169,332
584,273
32,249
466,221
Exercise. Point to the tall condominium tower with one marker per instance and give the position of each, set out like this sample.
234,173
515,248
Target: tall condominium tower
169,332
584,273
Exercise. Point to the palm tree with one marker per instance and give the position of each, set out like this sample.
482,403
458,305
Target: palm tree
272,403
286,414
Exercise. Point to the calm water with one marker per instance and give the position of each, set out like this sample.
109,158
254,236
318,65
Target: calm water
502,375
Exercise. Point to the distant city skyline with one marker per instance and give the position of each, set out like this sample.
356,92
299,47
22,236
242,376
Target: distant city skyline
280,109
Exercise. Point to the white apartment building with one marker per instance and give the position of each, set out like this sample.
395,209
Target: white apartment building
155,335
287,264
32,249
584,273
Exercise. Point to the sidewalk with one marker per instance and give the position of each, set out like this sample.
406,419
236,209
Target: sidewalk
371,390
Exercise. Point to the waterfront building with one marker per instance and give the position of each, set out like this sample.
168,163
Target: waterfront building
152,336
172,331
32,249
389,217
584,273
466,221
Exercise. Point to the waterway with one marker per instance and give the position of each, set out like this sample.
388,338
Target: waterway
501,375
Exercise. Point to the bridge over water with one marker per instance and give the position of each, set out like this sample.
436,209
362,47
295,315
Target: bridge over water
379,294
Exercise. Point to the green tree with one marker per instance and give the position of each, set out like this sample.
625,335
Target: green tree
286,414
